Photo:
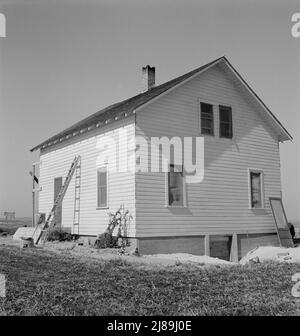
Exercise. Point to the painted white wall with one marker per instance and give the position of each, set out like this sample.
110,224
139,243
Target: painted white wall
220,203
56,162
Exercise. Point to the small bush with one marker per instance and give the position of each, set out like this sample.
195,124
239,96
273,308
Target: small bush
105,240
60,235
118,224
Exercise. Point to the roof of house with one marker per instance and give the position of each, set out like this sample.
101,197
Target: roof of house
128,106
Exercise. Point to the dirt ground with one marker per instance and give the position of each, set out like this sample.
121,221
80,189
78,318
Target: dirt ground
88,252
82,250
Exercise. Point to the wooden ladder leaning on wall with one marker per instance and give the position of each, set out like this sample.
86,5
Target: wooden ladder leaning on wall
49,223
76,216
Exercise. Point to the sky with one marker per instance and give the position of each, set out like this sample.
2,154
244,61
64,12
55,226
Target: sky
64,60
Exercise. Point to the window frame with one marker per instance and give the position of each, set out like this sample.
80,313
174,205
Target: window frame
230,123
262,188
107,189
167,189
200,117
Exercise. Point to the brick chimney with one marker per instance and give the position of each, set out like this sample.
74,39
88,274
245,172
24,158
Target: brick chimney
148,78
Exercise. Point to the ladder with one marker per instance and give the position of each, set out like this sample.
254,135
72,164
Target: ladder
77,199
50,219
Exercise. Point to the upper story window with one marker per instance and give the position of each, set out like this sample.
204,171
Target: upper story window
225,121
207,119
256,189
175,187
102,189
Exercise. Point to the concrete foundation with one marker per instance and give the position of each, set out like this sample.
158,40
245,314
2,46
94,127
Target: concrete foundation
193,245
229,247
212,245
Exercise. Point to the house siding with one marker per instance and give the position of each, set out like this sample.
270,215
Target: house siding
220,203
56,162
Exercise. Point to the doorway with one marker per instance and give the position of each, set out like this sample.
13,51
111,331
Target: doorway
220,247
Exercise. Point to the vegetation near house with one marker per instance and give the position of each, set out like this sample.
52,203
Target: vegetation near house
117,230
58,234
44,283
105,240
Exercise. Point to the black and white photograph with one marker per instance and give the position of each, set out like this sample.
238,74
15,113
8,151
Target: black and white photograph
150,167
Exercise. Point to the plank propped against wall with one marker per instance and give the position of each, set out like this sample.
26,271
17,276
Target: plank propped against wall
281,222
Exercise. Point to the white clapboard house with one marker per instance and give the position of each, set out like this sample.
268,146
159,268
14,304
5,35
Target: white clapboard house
228,211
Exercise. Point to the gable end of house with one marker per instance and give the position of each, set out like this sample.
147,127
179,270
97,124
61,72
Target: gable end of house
132,105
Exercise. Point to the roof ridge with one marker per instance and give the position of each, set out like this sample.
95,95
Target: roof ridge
128,106
148,95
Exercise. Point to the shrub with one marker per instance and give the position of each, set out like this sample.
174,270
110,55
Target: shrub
105,240
119,221
59,234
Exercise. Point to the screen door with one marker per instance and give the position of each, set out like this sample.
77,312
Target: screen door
281,223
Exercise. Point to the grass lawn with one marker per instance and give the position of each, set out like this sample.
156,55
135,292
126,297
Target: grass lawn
40,282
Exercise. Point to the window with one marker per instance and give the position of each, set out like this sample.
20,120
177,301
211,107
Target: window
225,121
207,119
256,189
176,187
102,187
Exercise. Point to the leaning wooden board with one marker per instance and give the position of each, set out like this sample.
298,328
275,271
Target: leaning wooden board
281,222
26,232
